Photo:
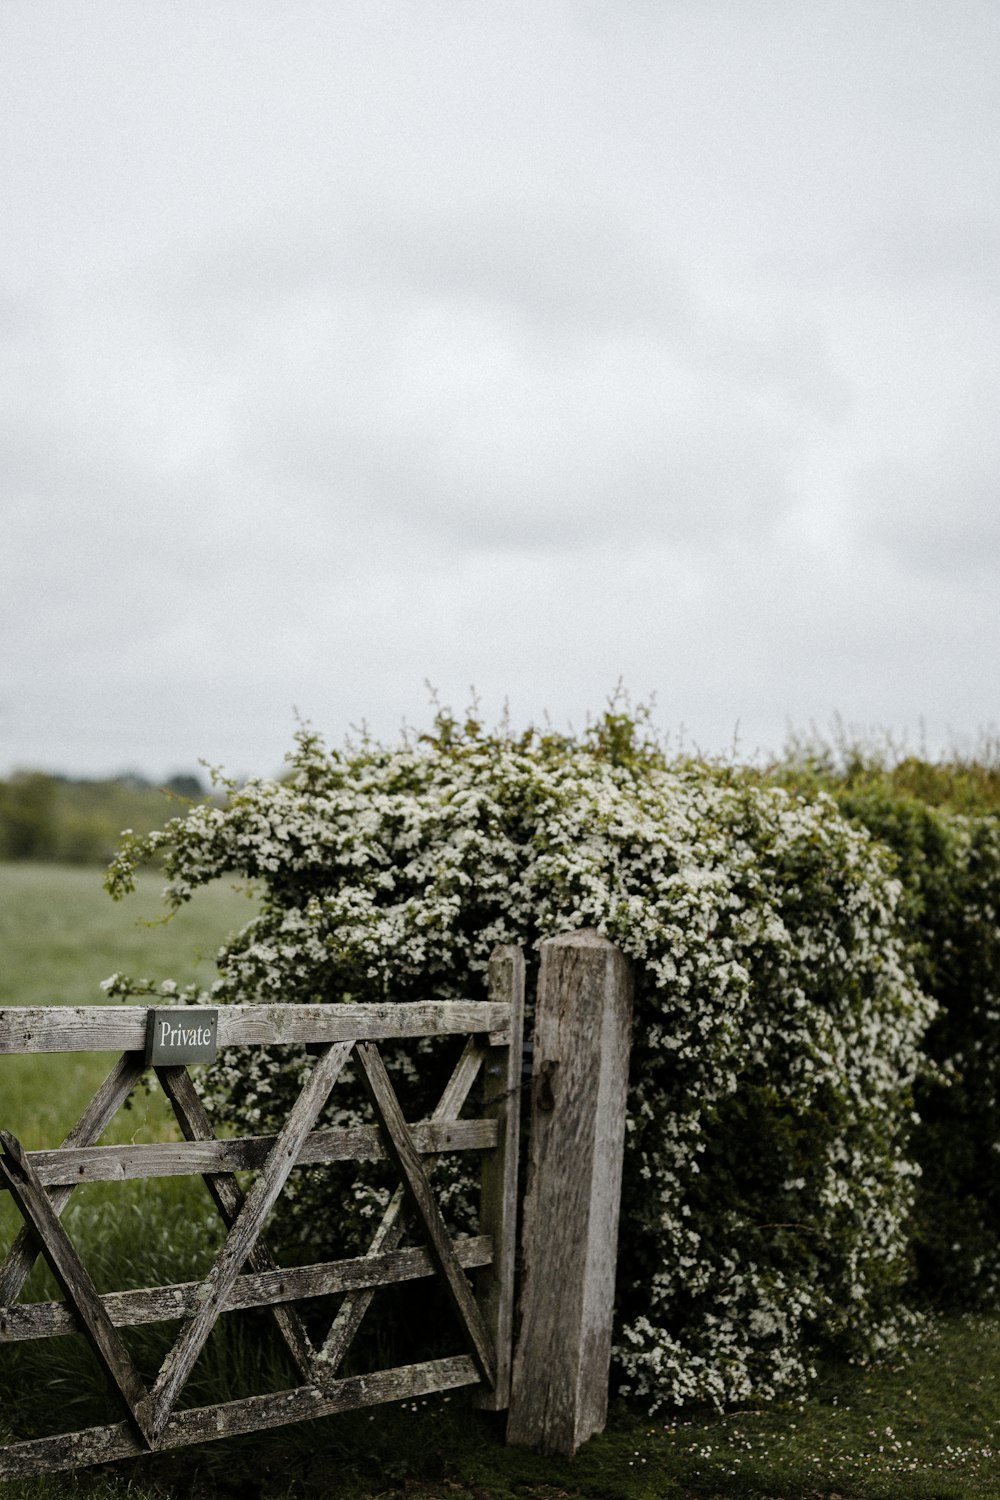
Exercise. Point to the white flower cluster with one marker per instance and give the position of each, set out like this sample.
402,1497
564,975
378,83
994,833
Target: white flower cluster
777,1031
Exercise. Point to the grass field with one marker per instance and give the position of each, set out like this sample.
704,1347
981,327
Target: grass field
927,1429
60,936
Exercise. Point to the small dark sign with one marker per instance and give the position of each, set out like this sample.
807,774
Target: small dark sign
182,1034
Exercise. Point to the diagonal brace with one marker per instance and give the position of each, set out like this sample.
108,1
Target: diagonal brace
72,1276
245,1231
399,1145
88,1129
228,1198
392,1226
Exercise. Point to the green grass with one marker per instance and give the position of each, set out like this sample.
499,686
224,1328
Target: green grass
60,936
927,1429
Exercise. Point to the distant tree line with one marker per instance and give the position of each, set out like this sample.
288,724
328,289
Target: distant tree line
46,817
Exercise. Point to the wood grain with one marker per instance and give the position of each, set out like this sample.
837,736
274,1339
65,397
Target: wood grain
96,1445
122,1028
581,1051
43,1320
41,1183
498,1194
67,1268
75,1165
228,1198
245,1231
407,1160
392,1225
91,1125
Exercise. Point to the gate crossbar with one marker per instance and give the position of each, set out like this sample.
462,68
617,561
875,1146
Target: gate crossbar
245,1274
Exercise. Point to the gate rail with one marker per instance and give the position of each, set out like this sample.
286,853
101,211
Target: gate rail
245,1274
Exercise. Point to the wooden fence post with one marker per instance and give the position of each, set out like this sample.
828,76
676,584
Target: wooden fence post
559,1393
498,1201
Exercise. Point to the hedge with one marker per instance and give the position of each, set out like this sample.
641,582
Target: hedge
769,1184
942,823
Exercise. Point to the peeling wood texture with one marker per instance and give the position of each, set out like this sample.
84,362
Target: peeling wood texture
90,1127
122,1028
71,1166
245,1274
243,1236
98,1445
581,1051
45,1320
403,1153
392,1225
498,1194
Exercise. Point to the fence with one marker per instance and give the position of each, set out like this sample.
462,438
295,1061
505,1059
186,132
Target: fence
556,1385
244,1273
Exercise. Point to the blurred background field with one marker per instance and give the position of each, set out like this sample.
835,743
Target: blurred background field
60,936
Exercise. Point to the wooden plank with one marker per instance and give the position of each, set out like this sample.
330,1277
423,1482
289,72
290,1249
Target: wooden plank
44,1320
227,1196
89,1127
249,1222
122,1028
97,1445
559,1392
410,1167
65,1165
393,1223
65,1264
498,1191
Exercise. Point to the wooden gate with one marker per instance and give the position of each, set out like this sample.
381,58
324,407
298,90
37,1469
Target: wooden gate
245,1274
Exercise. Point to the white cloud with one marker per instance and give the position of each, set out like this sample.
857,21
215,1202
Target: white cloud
342,347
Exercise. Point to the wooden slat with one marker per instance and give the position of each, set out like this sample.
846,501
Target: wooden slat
228,1198
45,1320
258,1203
66,1267
74,1165
410,1167
336,1028
498,1195
122,1028
89,1127
204,1424
394,1219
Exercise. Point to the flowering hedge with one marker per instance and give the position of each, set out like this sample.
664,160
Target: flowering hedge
777,1026
941,821
949,864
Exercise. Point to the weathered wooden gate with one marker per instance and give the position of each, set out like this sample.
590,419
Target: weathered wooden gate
245,1274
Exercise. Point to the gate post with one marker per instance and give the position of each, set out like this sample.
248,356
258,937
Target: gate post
559,1396
498,1195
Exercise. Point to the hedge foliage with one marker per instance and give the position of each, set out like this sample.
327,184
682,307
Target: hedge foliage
779,1023
942,823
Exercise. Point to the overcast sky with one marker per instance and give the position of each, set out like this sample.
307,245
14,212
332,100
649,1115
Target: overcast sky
522,347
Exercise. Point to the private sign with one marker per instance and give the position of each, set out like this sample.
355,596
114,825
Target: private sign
181,1036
